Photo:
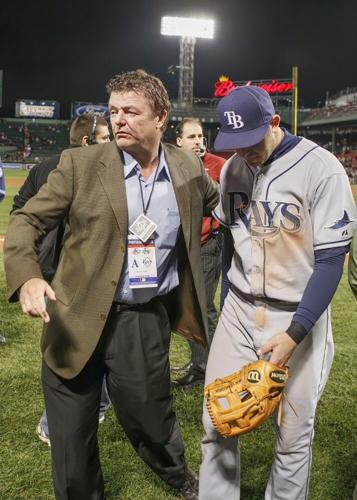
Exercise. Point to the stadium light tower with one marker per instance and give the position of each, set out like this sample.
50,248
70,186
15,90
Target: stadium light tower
188,29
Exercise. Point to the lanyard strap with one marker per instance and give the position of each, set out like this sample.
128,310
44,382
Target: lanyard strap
146,207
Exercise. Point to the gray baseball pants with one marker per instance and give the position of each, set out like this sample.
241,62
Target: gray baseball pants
241,330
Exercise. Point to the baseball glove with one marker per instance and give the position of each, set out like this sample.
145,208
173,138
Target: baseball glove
242,401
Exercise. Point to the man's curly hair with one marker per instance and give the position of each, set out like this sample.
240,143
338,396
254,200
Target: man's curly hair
143,83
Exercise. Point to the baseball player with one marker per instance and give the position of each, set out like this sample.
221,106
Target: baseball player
288,205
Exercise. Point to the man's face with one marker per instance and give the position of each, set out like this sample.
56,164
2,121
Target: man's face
102,134
192,138
259,153
134,123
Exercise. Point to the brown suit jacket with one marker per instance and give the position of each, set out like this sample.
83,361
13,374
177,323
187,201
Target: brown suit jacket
88,188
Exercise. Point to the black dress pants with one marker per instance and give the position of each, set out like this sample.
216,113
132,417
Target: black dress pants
133,354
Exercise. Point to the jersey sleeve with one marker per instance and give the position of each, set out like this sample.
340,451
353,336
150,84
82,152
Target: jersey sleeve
224,212
333,213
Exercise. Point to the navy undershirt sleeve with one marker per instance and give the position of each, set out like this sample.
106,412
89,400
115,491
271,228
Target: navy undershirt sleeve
319,291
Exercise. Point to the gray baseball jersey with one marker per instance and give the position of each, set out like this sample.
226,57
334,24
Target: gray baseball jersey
280,214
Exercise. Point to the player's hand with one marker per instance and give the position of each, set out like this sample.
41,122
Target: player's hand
280,347
32,298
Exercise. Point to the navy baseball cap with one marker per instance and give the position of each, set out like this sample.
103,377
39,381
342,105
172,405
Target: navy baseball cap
245,115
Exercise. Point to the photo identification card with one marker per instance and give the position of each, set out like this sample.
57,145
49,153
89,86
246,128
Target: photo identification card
141,263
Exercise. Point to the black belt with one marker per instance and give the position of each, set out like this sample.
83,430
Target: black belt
120,306
282,305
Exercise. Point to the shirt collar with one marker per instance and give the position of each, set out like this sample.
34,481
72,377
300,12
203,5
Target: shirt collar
289,142
131,166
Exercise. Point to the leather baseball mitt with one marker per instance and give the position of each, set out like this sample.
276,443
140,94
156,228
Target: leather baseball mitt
242,401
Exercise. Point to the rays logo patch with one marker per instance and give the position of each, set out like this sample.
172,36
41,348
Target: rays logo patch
344,221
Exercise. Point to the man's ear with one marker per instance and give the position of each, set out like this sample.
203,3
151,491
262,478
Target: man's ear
179,142
84,141
161,119
275,121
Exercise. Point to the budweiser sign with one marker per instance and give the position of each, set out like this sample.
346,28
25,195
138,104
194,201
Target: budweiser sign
224,85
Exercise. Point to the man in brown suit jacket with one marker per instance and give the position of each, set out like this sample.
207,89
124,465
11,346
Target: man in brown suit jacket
101,317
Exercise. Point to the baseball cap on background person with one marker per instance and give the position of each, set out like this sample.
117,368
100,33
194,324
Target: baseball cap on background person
245,115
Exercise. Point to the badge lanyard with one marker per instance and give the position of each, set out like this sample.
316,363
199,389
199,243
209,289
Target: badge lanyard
146,208
141,251
143,227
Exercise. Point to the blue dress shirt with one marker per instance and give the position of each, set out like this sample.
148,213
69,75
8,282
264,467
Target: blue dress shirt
162,210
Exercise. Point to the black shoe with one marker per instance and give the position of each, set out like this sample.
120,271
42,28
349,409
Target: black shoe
181,369
192,378
189,489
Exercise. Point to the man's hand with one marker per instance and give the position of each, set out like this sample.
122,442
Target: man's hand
280,347
32,298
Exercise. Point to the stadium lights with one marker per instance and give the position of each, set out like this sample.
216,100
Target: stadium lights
187,27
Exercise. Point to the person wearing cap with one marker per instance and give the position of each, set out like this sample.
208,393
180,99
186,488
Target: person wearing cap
289,208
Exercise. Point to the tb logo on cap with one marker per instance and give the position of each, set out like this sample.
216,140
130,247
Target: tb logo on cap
234,120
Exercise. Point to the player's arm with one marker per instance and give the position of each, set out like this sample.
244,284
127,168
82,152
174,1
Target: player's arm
26,227
317,295
352,265
333,227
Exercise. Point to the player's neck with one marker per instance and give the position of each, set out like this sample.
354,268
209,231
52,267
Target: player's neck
279,136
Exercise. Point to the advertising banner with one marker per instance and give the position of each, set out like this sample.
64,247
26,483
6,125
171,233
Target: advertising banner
26,108
82,108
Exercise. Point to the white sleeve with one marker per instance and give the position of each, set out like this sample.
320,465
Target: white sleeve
333,212
229,184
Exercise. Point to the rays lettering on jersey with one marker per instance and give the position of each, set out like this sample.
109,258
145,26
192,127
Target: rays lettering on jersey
265,216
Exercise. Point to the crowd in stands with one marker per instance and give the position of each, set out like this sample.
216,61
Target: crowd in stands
31,140
349,161
333,111
344,147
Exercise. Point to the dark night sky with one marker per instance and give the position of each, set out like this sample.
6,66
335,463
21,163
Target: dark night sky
68,50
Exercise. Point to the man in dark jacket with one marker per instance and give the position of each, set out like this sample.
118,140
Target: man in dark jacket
85,130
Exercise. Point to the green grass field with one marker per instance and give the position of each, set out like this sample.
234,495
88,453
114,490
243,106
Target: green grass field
13,179
25,471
